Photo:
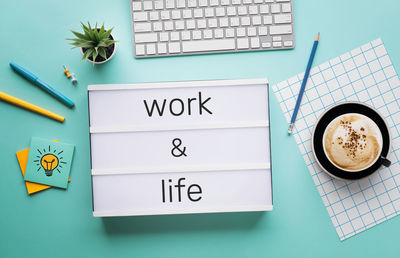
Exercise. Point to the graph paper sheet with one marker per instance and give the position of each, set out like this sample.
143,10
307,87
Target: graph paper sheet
364,74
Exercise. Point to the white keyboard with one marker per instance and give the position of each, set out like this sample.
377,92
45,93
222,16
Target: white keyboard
187,27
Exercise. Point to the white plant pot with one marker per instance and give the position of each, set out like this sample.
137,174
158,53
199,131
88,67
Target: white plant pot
102,62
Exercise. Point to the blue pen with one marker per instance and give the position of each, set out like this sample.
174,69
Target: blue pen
35,79
303,85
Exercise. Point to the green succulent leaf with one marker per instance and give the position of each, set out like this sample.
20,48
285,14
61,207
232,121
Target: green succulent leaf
102,52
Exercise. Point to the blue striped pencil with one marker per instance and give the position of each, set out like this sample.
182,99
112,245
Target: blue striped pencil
303,85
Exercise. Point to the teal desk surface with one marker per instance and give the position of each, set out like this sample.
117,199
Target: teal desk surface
58,223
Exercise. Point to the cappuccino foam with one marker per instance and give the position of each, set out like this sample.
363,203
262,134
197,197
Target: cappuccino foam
352,141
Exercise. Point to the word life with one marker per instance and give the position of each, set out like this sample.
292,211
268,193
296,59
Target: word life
177,106
193,192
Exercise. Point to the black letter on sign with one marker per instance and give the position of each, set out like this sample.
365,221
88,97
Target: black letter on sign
179,188
182,107
197,192
201,104
155,103
163,190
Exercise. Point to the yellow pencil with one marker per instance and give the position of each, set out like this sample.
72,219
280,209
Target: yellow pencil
31,107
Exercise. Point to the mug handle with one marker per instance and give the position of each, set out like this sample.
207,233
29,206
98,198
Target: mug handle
384,161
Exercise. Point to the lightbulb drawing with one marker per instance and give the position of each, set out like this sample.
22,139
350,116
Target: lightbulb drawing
49,160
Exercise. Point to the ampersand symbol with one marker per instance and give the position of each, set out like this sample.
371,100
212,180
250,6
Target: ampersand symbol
177,142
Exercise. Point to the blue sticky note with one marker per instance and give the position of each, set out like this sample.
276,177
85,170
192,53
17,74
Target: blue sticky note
49,162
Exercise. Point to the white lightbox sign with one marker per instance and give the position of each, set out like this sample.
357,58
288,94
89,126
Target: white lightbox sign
180,147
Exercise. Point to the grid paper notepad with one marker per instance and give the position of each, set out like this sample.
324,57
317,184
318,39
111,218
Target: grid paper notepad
364,74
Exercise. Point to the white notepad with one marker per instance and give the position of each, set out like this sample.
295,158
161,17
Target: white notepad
364,74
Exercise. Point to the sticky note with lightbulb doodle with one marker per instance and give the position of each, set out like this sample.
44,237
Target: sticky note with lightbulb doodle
31,188
49,162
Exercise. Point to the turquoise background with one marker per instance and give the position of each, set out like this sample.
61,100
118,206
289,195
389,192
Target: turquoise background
58,223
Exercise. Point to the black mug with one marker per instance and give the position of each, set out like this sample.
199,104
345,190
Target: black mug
321,126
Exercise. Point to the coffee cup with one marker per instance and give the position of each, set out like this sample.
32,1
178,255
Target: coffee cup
351,140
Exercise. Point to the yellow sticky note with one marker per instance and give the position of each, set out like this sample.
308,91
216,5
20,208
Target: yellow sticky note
22,157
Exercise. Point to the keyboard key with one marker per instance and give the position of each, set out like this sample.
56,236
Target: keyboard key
231,11
168,25
230,33
201,24
245,21
286,8
185,35
174,47
179,25
136,6
142,26
220,12
263,31
251,31
208,45
277,38
223,22
255,42
180,3
242,10
264,9
169,4
214,2
234,22
147,5
192,3
282,18
207,34
218,33
196,34
151,49
266,45
275,8
158,4
154,16
240,32
140,16
242,43
174,36
157,26
212,23
267,19
253,9
288,43
203,3
198,13
164,36
190,24
162,48
256,20
277,44
140,50
280,29
165,15
187,14
145,37
225,2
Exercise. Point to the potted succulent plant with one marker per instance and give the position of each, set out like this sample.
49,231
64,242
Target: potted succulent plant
97,45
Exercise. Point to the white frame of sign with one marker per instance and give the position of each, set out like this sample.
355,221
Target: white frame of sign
130,171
